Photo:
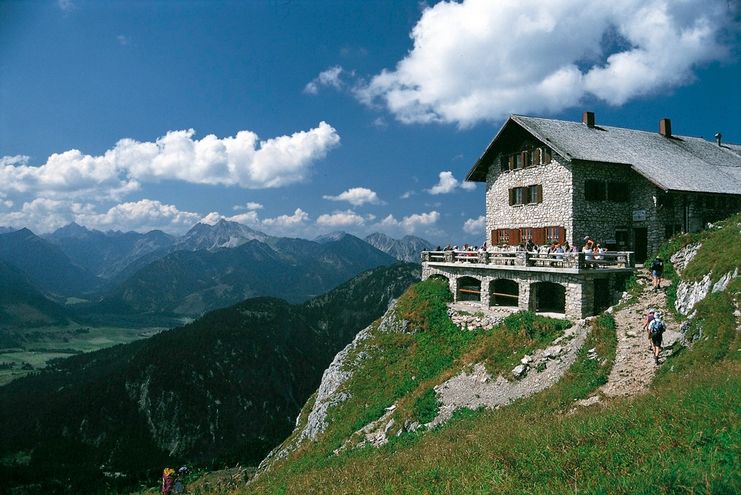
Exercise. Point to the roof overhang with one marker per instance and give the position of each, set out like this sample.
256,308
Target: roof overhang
481,167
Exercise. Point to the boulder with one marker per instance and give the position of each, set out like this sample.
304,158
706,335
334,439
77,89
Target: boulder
519,371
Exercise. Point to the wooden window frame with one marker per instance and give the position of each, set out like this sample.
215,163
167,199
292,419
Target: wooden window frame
595,190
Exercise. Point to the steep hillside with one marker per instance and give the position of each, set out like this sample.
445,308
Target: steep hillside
373,426
21,305
223,389
192,282
45,264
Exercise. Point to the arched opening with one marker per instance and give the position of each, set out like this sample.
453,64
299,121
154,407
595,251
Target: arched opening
442,279
469,289
548,297
504,292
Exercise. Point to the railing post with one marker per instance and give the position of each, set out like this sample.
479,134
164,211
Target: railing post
449,256
425,256
521,258
483,257
580,264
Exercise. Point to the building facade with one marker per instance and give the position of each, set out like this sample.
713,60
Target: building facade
550,180
629,190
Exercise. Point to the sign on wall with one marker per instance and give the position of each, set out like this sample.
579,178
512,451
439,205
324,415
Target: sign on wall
639,215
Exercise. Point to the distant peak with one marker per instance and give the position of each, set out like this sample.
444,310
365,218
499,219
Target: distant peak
331,237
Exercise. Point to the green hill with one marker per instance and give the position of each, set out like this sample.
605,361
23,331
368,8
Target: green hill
22,305
223,389
680,436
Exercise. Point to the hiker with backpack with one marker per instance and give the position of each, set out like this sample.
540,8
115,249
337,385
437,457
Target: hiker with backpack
657,270
646,323
656,329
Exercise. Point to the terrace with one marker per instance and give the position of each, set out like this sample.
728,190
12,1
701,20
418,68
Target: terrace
533,261
575,285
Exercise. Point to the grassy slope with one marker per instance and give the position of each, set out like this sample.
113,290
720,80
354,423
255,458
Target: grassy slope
683,437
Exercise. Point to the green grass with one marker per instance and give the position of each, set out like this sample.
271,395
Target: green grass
681,437
34,348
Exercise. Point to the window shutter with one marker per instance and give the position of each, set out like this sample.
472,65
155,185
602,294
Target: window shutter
511,197
539,235
546,155
526,195
540,193
511,161
514,237
536,156
494,237
561,234
524,159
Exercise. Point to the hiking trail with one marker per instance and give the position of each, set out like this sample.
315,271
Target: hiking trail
634,367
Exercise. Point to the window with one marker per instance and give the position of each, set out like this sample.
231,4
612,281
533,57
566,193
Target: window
519,195
555,234
526,195
535,193
546,156
665,200
502,236
594,190
618,192
526,234
671,229
621,238
525,158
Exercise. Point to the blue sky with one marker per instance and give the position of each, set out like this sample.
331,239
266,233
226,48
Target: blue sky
299,118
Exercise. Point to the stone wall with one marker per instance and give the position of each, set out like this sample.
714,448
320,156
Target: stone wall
555,209
564,204
579,288
601,219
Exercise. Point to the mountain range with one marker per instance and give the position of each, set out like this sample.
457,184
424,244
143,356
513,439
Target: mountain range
223,389
210,266
408,248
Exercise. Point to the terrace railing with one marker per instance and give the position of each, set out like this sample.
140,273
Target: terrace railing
581,261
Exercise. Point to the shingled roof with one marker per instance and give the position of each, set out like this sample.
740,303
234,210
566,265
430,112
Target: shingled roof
676,163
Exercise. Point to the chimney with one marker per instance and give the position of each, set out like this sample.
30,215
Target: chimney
718,137
665,127
588,119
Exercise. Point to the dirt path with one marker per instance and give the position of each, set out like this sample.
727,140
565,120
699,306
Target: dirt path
634,363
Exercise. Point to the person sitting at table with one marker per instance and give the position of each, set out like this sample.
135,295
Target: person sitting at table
588,250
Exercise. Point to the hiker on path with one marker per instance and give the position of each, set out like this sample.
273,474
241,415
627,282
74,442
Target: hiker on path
646,323
168,478
657,270
656,328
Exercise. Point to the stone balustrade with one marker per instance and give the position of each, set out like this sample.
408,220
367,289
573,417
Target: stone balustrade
515,258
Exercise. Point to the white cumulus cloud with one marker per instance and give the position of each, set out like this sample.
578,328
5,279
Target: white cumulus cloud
447,183
242,160
330,77
250,205
299,217
411,223
340,219
474,225
141,216
479,60
356,196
